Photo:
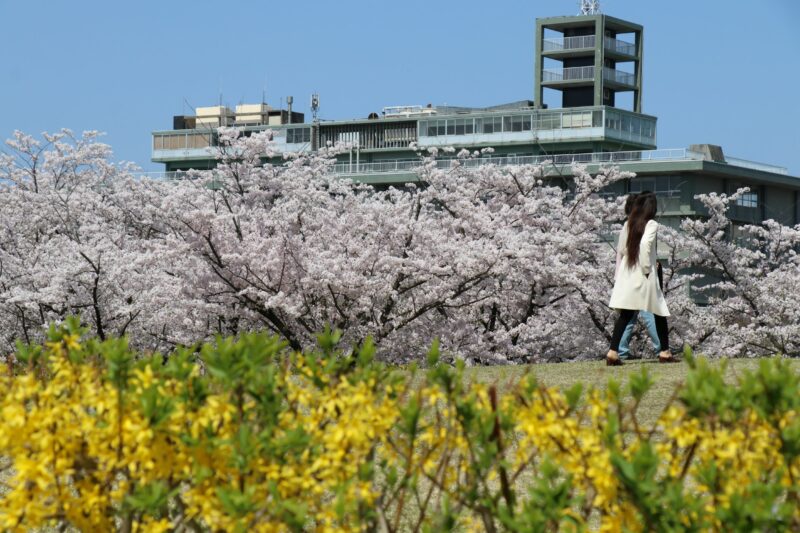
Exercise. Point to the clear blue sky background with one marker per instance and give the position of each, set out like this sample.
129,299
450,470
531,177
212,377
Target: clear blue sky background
715,71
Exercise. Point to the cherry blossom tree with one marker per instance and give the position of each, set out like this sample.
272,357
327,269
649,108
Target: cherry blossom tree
751,277
502,264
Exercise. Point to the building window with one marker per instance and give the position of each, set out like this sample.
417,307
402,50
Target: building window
493,125
468,129
667,186
298,135
526,123
748,199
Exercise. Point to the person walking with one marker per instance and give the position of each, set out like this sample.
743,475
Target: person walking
647,317
636,286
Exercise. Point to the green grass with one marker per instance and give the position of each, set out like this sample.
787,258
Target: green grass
596,374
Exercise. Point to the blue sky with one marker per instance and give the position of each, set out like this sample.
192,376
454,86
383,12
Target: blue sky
715,71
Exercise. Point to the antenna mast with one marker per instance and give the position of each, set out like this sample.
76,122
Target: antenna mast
315,105
590,7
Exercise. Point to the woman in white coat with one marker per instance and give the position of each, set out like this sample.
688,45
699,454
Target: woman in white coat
636,285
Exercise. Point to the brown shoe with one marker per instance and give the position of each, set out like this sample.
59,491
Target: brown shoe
667,358
612,358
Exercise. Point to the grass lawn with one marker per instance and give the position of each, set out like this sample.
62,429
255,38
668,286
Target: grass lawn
596,374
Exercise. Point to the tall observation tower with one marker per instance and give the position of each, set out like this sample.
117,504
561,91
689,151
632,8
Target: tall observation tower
589,58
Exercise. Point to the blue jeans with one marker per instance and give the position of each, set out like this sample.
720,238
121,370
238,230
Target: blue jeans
649,322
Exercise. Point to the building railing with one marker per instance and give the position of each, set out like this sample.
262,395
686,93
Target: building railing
553,44
754,165
568,74
405,166
557,44
172,175
586,73
621,47
618,76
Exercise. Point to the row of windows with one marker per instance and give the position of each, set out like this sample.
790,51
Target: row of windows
509,123
671,186
631,124
661,185
298,135
182,141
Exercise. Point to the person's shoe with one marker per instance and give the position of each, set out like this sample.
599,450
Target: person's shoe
667,357
612,359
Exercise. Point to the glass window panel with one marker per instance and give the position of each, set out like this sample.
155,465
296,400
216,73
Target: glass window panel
507,124
516,124
488,125
526,123
643,184
468,129
451,127
478,125
748,199
442,125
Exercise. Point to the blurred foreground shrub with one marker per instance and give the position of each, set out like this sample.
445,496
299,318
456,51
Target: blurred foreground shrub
245,435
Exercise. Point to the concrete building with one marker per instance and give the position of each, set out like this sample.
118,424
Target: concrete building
594,60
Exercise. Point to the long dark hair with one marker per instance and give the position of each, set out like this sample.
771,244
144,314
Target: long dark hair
629,202
644,210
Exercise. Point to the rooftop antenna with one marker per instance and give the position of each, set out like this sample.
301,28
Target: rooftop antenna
186,102
314,105
590,7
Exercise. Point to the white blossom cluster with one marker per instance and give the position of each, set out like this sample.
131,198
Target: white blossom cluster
502,264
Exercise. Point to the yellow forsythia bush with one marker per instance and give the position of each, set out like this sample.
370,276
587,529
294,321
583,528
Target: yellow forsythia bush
244,435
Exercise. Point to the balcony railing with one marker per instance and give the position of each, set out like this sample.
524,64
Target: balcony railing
398,166
587,73
406,166
568,74
754,165
555,44
558,44
618,76
621,47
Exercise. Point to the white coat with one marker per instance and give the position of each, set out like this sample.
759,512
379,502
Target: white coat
637,288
